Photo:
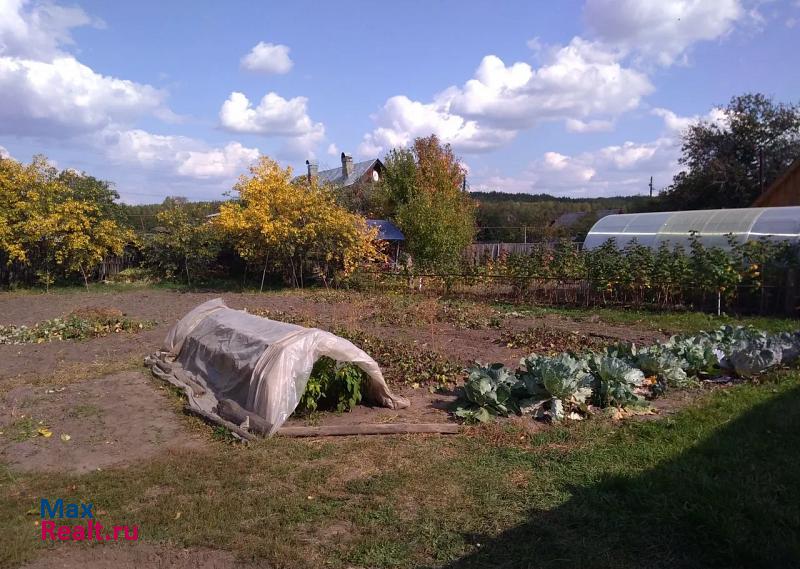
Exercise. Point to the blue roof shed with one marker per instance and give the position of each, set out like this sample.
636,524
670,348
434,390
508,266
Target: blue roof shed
387,231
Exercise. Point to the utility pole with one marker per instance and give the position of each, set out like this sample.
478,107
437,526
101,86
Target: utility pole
761,170
651,186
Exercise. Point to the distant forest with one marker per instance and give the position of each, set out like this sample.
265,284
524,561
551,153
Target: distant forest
501,216
530,217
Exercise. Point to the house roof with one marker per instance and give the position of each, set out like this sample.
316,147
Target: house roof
387,231
601,213
334,175
774,188
568,219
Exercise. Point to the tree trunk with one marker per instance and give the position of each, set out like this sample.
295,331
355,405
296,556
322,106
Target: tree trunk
263,274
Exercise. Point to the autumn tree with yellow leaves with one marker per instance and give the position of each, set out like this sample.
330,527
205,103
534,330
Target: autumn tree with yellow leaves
294,228
51,225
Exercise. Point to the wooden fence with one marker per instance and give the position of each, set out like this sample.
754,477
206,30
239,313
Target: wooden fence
480,252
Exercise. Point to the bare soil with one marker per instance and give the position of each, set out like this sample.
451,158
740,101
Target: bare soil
112,421
118,419
115,419
166,307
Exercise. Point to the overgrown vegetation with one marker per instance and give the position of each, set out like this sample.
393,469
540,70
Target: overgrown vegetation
549,340
730,161
332,387
54,225
424,187
745,276
79,325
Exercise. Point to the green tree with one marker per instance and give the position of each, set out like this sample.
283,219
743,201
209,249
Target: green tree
424,193
55,224
727,162
293,227
185,243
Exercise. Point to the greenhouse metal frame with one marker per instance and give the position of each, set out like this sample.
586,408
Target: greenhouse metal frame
712,226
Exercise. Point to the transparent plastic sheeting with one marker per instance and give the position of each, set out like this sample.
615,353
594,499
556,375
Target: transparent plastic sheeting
712,225
261,364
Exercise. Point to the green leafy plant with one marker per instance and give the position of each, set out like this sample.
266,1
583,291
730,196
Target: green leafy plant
332,387
617,381
563,385
71,327
488,393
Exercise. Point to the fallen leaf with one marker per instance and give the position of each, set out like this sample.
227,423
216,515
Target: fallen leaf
45,432
65,437
177,515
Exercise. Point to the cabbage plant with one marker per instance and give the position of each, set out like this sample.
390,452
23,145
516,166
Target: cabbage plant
488,393
563,380
666,366
617,381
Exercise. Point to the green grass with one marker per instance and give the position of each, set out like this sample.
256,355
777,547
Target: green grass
716,485
668,321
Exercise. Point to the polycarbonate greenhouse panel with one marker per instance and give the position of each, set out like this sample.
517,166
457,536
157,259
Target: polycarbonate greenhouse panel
713,227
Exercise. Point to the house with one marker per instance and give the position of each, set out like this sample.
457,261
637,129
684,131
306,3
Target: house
568,219
349,174
601,213
353,182
391,235
785,191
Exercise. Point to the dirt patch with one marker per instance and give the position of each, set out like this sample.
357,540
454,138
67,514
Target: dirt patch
426,407
72,363
310,308
71,556
113,421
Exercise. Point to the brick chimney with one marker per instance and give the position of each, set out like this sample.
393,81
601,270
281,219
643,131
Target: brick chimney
313,169
347,165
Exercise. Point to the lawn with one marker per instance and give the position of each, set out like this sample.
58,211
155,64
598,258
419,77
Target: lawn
714,484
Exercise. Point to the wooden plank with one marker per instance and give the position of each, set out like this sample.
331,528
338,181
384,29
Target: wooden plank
369,429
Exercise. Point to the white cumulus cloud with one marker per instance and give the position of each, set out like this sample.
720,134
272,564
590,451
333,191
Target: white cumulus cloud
268,58
661,30
622,169
577,125
401,120
580,80
65,97
37,30
582,83
179,155
677,124
273,116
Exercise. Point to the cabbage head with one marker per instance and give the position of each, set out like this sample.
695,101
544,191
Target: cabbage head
617,381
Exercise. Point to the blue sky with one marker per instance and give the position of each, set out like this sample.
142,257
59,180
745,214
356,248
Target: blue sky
570,98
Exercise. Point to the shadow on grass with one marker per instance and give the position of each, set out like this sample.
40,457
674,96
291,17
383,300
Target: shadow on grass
733,500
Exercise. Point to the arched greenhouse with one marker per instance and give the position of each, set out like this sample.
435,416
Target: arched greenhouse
712,225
